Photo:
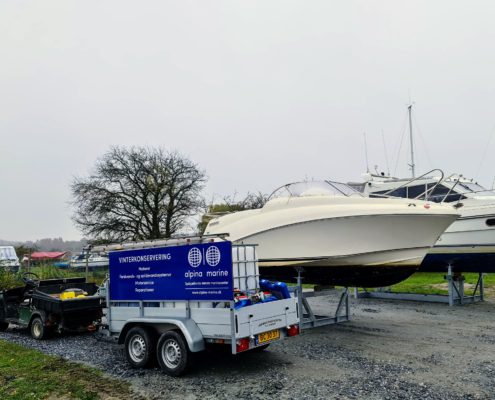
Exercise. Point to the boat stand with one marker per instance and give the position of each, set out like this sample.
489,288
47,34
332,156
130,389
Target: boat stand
455,297
311,320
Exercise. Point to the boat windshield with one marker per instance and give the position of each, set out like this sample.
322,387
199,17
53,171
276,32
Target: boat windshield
315,188
449,190
7,253
471,187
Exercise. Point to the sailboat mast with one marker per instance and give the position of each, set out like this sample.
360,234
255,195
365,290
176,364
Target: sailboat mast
412,165
366,153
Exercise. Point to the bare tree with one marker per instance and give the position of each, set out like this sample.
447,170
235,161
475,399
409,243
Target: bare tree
230,205
137,193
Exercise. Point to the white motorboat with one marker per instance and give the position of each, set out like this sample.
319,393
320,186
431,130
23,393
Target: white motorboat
90,260
8,259
469,243
336,234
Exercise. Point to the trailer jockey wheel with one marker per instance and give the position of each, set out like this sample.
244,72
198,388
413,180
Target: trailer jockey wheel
38,329
140,347
173,354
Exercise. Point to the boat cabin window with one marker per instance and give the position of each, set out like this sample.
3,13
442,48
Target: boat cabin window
401,192
490,221
416,191
439,193
436,195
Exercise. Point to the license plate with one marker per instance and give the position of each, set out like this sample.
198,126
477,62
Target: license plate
268,336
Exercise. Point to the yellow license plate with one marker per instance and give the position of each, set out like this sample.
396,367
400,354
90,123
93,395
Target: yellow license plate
268,336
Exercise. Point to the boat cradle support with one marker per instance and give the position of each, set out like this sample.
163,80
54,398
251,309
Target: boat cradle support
455,297
308,318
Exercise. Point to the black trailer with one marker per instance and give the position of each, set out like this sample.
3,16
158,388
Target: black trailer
51,305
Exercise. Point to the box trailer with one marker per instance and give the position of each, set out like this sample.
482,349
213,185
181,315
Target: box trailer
169,299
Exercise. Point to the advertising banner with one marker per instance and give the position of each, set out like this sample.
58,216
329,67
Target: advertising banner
188,272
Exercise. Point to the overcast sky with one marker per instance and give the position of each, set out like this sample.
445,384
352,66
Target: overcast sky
258,93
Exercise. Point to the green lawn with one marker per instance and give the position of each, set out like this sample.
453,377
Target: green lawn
29,374
434,283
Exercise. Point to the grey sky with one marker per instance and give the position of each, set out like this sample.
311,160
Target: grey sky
258,93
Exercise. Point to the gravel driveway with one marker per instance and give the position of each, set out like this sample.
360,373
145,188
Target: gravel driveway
400,350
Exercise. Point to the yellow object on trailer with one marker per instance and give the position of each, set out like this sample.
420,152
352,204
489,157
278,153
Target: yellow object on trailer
72,294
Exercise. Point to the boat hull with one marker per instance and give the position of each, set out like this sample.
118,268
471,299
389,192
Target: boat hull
468,245
365,250
348,241
480,259
91,264
349,276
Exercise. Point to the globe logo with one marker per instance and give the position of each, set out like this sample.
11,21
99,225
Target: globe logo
194,257
213,256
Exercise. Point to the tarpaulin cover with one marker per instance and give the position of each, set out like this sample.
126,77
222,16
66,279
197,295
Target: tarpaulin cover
47,255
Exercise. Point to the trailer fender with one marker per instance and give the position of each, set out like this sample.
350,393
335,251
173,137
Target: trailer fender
186,326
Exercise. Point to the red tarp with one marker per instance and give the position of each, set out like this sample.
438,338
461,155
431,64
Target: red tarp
47,255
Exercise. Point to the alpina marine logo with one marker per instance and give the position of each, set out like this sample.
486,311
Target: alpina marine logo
213,256
194,257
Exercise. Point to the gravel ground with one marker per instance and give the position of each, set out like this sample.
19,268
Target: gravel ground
390,350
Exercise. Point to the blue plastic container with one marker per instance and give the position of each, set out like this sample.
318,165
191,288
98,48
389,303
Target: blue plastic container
279,289
242,303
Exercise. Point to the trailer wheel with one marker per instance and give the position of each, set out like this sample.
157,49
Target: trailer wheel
173,354
139,347
38,329
3,326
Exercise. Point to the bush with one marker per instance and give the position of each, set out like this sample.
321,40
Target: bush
9,280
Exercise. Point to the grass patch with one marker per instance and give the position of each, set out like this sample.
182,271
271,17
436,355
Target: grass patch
29,374
435,283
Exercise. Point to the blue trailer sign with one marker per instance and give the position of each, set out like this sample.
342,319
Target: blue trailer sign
188,272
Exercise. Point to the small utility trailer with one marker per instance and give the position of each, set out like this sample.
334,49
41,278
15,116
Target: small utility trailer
51,305
171,298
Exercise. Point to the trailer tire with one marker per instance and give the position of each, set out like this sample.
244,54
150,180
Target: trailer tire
38,329
140,346
3,326
173,353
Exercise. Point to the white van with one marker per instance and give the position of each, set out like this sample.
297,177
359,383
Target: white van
8,259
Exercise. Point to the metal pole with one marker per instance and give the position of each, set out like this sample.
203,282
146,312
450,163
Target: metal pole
347,307
300,298
87,266
461,288
409,109
451,286
482,286
366,153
